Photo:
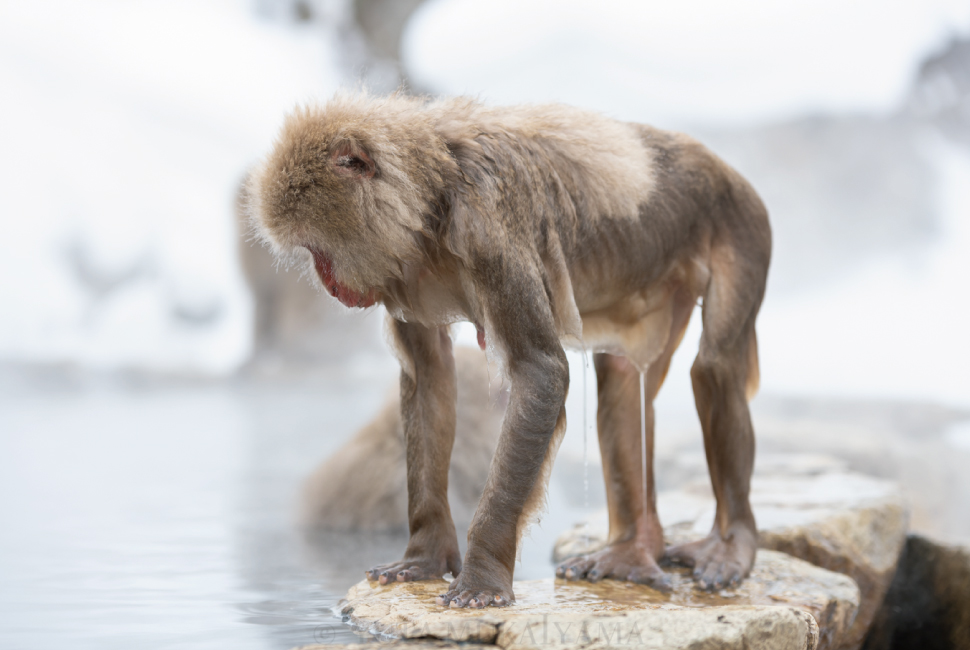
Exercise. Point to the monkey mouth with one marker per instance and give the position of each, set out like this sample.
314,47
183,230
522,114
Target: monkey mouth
324,266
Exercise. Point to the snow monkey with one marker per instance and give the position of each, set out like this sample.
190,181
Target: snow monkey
542,225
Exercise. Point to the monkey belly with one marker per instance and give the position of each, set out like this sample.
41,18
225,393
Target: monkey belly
636,323
637,327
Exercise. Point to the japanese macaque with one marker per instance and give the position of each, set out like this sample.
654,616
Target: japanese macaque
542,225
363,485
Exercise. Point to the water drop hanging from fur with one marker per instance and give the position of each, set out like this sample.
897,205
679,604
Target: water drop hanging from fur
643,440
585,453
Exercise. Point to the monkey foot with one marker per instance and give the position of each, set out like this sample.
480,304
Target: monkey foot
628,561
468,591
409,570
718,561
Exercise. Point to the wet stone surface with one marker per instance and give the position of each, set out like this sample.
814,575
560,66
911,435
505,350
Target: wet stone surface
394,645
841,521
785,603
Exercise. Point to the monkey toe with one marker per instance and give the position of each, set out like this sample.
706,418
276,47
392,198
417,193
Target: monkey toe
595,575
457,597
404,571
451,598
574,568
719,575
652,577
718,562
629,561
688,554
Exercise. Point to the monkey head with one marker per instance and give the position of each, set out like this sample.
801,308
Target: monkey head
355,183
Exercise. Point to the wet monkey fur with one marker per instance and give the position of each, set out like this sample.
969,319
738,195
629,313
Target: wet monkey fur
542,225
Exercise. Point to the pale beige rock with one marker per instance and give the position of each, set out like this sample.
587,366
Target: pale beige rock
844,522
725,628
779,606
395,645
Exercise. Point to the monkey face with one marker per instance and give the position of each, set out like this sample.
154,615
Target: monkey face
322,190
354,182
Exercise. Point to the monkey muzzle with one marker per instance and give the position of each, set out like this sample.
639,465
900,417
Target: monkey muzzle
324,266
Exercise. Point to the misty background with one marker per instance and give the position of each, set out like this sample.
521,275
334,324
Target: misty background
164,388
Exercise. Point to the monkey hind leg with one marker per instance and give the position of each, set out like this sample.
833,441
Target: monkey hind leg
724,375
636,538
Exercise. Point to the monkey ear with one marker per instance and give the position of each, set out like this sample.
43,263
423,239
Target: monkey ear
352,162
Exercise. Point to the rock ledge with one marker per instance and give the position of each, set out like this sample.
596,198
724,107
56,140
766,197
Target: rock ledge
785,603
840,521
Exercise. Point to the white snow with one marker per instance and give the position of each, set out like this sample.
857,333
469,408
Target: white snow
676,63
124,131
900,327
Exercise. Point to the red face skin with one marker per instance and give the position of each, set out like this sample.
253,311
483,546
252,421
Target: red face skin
347,296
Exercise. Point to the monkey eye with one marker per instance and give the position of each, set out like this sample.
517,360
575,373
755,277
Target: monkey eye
354,164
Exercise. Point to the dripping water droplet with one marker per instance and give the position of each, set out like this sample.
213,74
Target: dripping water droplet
643,440
585,453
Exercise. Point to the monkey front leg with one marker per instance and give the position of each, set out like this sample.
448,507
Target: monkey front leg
428,392
536,412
